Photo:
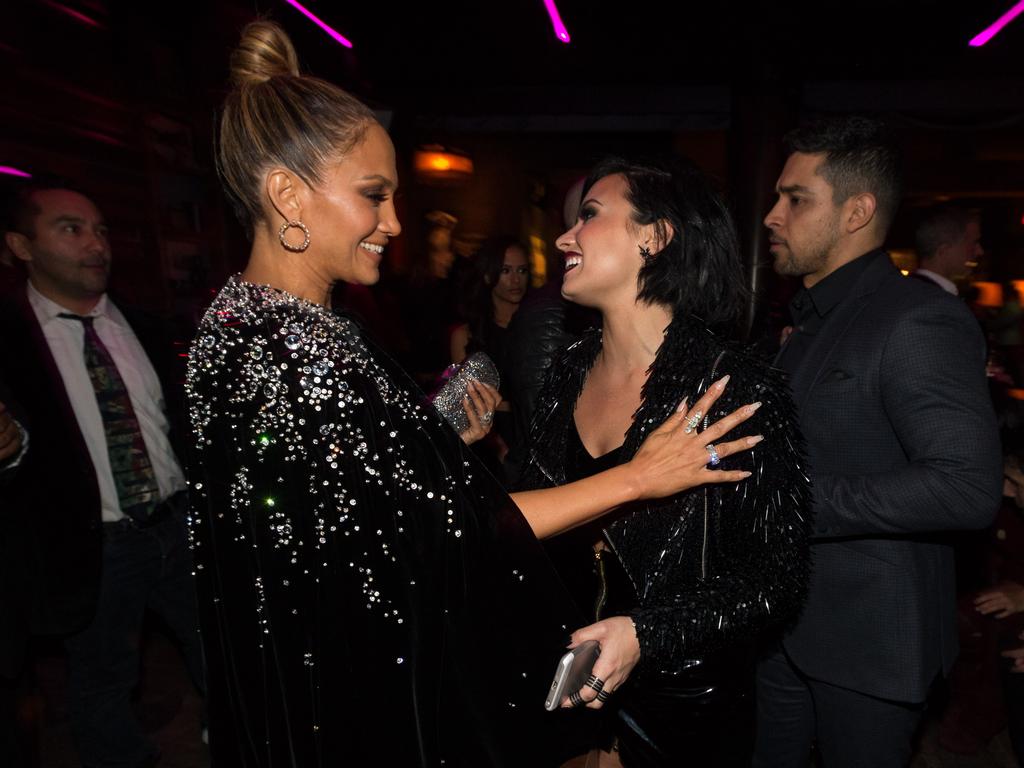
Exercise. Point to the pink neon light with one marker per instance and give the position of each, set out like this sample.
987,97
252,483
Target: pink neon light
556,21
998,25
73,13
329,30
9,171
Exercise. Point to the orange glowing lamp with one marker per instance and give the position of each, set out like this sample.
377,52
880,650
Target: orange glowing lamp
438,163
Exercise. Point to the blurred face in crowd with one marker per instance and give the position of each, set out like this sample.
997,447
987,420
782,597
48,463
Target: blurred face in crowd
352,215
602,250
67,253
804,223
513,278
956,260
439,251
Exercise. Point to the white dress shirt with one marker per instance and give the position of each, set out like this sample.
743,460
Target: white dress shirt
943,282
66,338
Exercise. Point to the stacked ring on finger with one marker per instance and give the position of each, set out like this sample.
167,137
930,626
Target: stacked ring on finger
595,682
692,422
603,696
576,700
487,417
713,458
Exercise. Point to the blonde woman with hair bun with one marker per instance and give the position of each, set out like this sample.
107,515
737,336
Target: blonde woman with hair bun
369,594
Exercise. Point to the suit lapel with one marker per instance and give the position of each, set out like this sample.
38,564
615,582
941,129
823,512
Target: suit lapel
43,384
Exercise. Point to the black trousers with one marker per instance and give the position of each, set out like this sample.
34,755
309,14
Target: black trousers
18,748
142,568
851,729
1013,690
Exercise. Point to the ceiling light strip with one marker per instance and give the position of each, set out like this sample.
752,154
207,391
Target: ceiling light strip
997,26
338,37
556,21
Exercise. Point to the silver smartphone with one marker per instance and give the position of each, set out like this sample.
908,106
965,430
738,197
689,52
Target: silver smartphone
572,672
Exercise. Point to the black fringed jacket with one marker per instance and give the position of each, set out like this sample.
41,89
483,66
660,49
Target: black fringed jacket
715,564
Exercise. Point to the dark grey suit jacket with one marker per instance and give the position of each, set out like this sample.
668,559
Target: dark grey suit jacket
902,446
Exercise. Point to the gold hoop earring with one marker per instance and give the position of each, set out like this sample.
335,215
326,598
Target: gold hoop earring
288,246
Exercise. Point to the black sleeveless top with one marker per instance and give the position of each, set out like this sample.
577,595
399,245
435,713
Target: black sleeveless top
596,579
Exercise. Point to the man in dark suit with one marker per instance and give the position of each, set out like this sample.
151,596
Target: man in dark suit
14,566
102,485
888,376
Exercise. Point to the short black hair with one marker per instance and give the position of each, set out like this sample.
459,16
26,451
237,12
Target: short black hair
861,155
940,225
17,208
698,271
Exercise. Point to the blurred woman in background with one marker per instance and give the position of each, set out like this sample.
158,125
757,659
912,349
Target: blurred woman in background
499,282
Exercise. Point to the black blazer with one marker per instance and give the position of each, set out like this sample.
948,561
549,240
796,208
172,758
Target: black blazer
57,482
14,560
902,445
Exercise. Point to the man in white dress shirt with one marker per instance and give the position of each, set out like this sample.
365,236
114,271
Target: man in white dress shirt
108,492
948,244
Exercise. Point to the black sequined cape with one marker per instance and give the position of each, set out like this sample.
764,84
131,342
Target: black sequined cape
714,565
369,595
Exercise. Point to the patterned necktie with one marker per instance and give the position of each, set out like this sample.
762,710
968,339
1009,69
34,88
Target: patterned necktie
134,478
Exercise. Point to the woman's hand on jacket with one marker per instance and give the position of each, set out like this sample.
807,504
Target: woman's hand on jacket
675,456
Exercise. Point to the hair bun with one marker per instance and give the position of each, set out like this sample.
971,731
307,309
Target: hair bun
263,52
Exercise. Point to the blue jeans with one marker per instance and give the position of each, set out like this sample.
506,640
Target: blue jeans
142,568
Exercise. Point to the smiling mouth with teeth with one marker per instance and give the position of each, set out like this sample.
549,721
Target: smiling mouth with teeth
372,247
571,262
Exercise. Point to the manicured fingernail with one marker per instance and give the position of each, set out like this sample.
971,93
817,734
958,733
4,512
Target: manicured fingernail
682,406
722,382
747,474
753,407
755,439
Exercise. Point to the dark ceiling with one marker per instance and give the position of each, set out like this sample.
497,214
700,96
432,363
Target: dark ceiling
494,62
459,56
124,93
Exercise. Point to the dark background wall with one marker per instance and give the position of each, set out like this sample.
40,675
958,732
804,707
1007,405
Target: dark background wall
121,96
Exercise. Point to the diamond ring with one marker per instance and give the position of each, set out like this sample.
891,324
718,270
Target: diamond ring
713,457
692,422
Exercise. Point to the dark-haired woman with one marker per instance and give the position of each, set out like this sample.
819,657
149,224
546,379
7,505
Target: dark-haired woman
368,594
501,278
499,282
680,586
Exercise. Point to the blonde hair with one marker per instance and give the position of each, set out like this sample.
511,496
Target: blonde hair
276,117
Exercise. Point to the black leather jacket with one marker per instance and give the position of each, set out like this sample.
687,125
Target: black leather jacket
716,564
541,328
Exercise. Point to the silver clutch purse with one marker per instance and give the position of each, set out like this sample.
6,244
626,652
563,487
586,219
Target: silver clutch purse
455,381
